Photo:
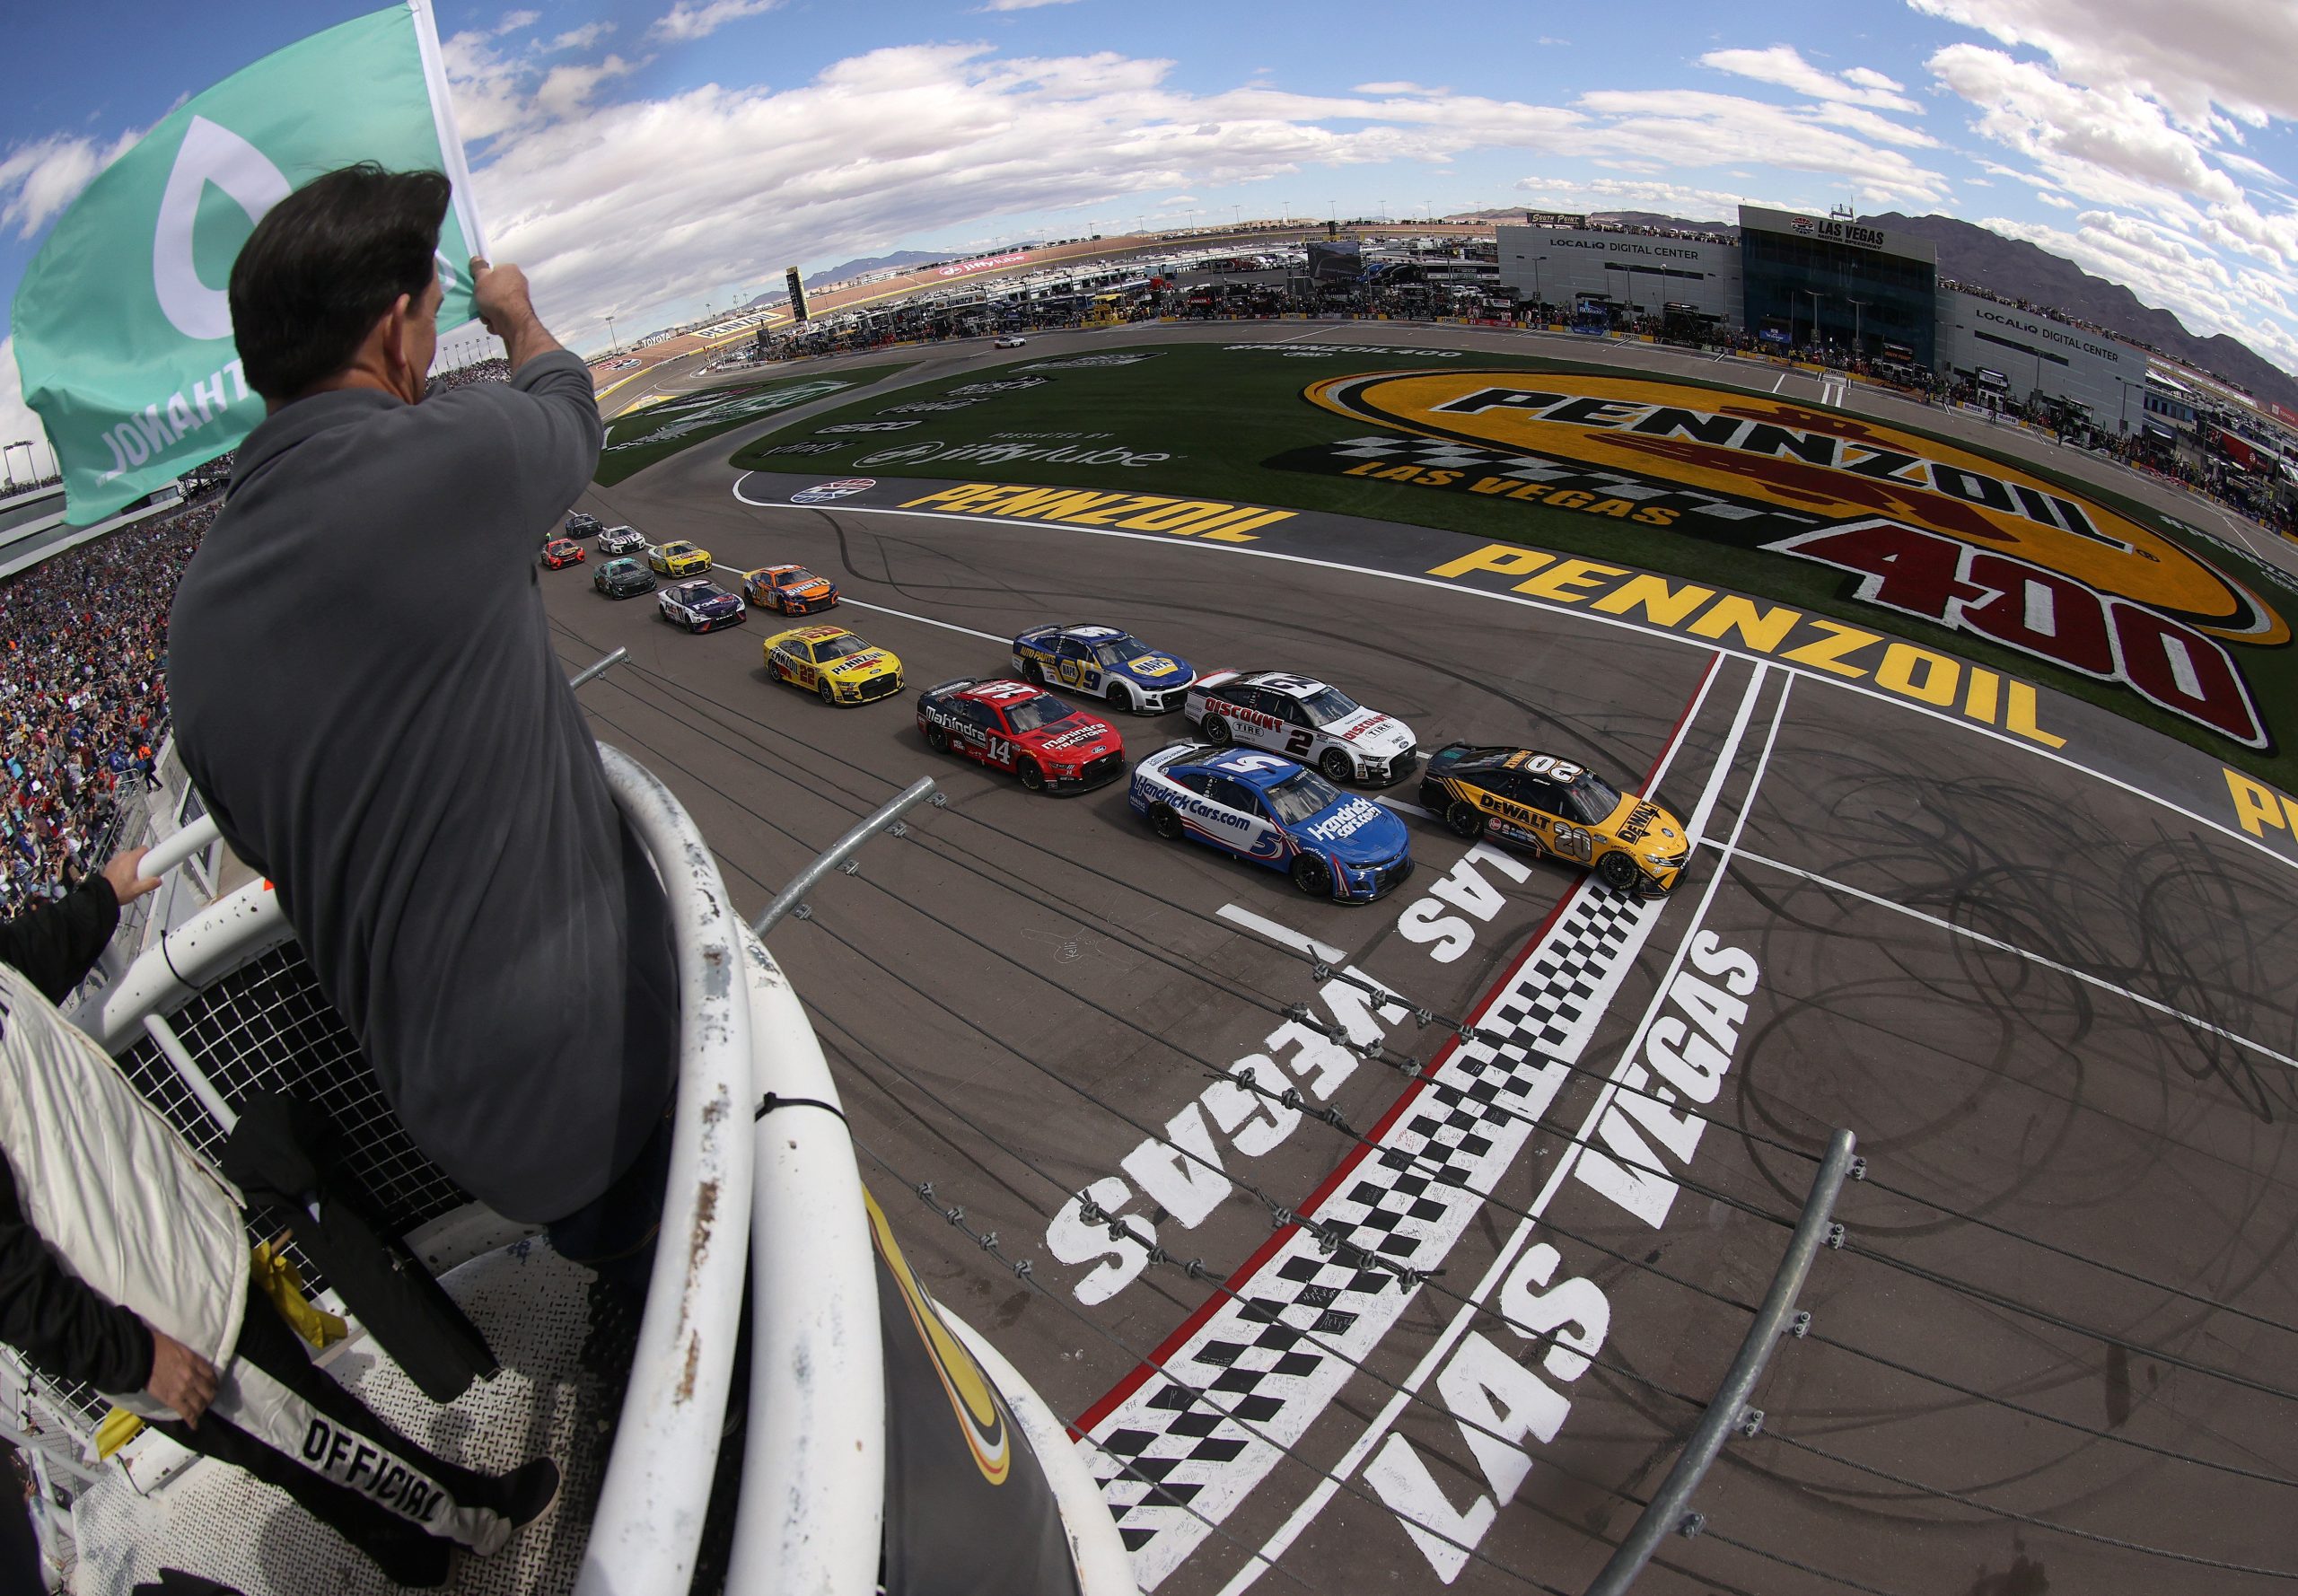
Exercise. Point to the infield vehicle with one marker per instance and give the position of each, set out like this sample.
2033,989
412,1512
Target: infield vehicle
1266,809
699,606
677,558
835,664
1012,340
1011,726
623,578
561,552
790,590
1302,719
582,525
1551,805
622,539
1114,665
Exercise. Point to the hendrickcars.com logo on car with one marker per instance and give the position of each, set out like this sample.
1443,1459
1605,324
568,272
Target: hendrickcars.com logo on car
1962,539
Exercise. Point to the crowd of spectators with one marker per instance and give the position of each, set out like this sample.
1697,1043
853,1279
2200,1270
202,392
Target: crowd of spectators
83,697
497,369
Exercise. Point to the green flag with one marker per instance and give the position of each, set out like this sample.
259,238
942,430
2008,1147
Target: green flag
123,330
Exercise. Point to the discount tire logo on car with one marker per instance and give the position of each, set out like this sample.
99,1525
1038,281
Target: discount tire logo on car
1970,542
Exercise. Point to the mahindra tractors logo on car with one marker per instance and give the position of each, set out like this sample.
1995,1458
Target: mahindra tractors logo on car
1966,540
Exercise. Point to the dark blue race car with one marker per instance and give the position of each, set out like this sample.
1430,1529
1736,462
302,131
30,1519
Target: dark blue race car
1265,808
1112,665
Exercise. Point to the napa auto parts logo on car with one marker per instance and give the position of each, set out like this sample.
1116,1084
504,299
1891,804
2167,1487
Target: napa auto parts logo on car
1959,538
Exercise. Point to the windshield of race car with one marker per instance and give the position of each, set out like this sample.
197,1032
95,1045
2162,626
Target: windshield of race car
838,647
623,567
793,579
1298,798
697,593
1595,797
1035,715
1114,656
1329,705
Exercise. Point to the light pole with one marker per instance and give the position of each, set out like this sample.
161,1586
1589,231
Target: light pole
1858,349
1815,313
614,344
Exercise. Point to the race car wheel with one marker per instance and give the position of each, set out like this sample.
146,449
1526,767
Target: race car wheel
825,692
1215,728
1619,872
1336,766
1465,818
1032,776
1165,823
1121,700
1032,674
938,739
1313,876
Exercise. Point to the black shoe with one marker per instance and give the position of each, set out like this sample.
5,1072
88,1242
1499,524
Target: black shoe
524,1494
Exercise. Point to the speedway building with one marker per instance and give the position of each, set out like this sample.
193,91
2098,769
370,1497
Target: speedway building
1793,280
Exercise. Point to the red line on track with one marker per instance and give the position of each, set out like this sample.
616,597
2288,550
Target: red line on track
1166,1349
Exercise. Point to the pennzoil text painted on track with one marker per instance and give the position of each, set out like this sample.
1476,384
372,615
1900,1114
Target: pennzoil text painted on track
1011,725
1553,806
835,664
1265,808
677,558
561,552
1303,719
622,539
580,526
793,589
624,578
700,606
1103,660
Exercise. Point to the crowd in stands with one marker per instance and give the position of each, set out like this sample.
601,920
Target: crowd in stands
497,369
83,697
26,484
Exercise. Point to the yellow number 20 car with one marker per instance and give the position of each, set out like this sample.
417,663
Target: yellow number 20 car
839,666
677,558
1552,806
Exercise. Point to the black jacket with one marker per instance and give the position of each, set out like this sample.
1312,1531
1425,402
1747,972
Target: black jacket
46,1313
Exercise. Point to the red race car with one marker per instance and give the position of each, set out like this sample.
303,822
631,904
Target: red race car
1011,725
562,551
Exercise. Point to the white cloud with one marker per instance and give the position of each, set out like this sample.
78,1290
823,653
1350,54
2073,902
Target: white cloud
684,22
517,22
1022,5
39,179
1687,129
1620,194
1784,65
17,419
578,38
2195,58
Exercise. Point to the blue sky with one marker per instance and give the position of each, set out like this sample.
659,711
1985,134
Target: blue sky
642,159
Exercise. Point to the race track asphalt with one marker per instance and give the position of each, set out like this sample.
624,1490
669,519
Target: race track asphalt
2051,1008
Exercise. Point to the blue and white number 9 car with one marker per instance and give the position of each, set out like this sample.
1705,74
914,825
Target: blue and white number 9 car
1266,809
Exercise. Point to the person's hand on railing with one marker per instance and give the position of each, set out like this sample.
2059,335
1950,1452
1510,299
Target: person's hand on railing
181,1378
124,871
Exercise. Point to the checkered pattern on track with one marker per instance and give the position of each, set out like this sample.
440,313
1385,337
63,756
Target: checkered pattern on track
1406,1202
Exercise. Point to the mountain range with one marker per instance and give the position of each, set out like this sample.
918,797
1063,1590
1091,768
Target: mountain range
2016,269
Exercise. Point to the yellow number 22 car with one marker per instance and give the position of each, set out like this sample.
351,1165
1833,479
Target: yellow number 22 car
839,666
1552,806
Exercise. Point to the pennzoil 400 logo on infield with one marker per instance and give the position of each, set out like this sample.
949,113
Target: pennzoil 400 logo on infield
1959,538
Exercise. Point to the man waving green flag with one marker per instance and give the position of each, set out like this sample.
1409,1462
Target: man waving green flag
123,330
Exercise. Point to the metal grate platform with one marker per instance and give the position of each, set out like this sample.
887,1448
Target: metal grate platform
558,1396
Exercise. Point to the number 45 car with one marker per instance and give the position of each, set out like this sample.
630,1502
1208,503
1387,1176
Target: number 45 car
1552,806
1011,725
1266,809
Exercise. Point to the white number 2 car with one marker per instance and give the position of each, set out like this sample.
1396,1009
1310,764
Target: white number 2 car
1302,719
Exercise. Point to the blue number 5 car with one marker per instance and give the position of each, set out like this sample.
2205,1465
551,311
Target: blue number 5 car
1266,809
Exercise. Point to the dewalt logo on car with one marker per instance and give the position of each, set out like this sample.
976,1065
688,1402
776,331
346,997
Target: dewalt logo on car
1970,542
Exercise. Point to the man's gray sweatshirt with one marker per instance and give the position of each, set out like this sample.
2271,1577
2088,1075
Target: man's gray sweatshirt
365,695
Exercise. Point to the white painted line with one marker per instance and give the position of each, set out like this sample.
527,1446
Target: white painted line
1402,808
1668,758
1284,936
1944,717
1776,387
2197,1022
1303,1515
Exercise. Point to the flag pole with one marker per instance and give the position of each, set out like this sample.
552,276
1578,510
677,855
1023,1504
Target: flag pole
442,116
